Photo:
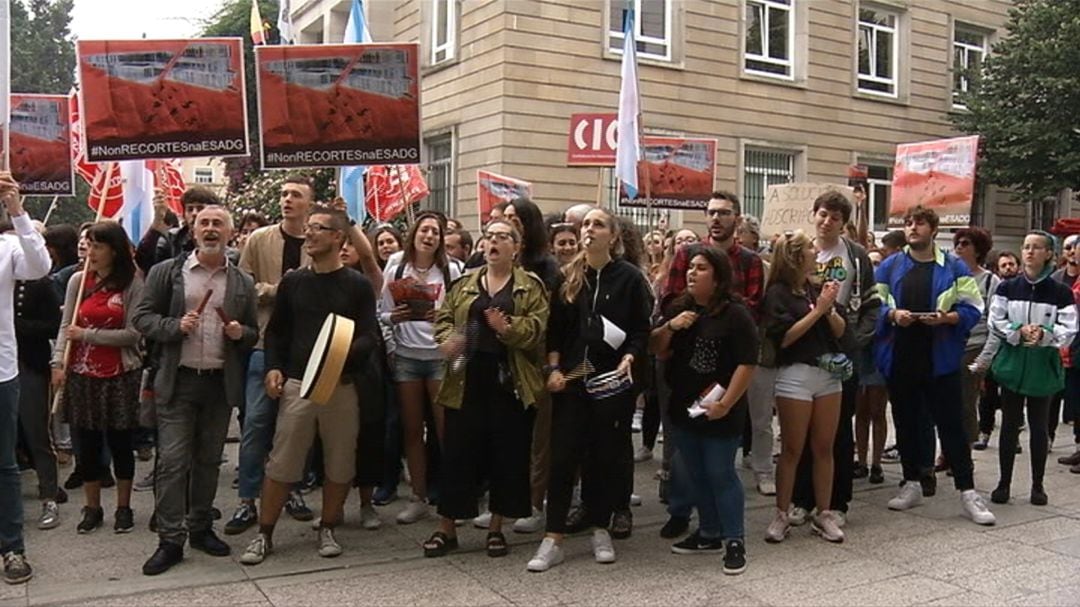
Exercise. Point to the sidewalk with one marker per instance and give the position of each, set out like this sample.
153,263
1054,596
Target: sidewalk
929,555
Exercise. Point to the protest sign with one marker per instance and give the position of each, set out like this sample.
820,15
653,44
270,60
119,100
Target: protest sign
680,173
163,98
390,189
790,206
40,145
338,104
939,175
491,189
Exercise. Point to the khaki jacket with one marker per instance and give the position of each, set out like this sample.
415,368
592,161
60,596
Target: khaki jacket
524,341
262,257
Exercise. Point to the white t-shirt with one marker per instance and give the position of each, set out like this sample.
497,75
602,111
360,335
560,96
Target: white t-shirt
834,264
414,338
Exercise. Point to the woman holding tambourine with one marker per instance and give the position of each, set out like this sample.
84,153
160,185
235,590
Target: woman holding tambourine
491,330
599,325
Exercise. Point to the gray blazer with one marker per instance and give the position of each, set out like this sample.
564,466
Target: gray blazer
158,315
127,339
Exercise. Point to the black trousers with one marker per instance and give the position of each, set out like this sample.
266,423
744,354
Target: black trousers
843,458
121,445
1012,416
595,436
651,416
916,400
488,440
989,403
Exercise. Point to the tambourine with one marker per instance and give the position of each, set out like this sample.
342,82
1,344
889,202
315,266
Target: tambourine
327,359
608,384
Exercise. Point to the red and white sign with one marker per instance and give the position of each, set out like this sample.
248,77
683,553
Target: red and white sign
41,144
390,187
592,140
939,175
491,189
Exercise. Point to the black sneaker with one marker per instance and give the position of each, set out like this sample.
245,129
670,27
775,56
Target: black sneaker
1038,496
125,520
61,497
735,557
674,527
92,518
74,480
16,569
695,544
297,508
877,475
860,471
577,519
1000,495
622,524
243,519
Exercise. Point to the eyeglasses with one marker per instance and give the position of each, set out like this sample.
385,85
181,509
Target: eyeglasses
719,213
316,228
500,236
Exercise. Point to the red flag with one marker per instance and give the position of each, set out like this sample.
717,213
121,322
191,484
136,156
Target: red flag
94,174
167,176
390,188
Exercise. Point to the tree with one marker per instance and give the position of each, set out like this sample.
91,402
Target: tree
259,191
42,50
1025,103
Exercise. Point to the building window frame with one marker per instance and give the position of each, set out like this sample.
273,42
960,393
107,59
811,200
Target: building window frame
203,175
870,30
613,41
792,173
962,52
790,64
445,24
433,143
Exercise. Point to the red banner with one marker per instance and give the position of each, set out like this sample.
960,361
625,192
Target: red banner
388,189
163,98
680,173
592,140
40,145
491,189
936,174
93,174
339,104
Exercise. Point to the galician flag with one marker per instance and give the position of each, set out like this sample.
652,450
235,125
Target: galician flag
258,30
628,151
352,178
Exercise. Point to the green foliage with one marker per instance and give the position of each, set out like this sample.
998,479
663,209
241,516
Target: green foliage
42,50
260,191
1025,104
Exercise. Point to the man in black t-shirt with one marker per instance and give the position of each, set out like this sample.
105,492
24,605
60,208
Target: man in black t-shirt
305,297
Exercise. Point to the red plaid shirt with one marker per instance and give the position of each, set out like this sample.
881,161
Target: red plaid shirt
747,272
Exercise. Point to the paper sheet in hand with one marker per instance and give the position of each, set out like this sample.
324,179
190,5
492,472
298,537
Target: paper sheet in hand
613,335
711,394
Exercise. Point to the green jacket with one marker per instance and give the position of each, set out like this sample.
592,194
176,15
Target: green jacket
524,341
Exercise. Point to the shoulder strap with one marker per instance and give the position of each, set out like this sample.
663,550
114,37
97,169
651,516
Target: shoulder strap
399,271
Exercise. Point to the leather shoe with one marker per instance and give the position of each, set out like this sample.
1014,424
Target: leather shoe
166,555
209,543
1070,460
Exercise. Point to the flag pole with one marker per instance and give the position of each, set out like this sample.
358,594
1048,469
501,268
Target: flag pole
52,207
600,188
102,197
5,83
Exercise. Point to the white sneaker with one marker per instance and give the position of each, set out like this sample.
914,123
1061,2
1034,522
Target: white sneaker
642,454
797,516
840,518
50,515
910,496
601,546
635,423
328,546
975,508
483,521
530,524
635,499
316,523
747,462
826,526
766,485
369,517
415,510
547,556
779,528
257,550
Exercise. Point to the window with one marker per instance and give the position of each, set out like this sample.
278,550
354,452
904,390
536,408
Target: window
204,175
769,39
969,50
761,169
879,190
652,27
440,174
443,30
878,51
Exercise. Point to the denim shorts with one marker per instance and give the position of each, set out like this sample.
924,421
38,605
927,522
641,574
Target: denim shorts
415,369
806,382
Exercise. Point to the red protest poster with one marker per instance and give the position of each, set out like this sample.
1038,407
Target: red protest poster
680,173
388,189
40,144
163,98
338,104
936,174
94,174
491,189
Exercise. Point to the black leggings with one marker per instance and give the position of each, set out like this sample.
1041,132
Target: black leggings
1012,415
121,445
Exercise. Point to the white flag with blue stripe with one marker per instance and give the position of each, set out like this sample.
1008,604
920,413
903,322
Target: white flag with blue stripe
628,151
352,178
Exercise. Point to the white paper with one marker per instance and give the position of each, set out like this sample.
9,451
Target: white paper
613,335
712,395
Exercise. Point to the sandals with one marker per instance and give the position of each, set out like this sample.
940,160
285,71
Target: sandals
439,544
496,544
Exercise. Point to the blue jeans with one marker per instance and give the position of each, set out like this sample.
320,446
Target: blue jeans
11,506
260,420
714,484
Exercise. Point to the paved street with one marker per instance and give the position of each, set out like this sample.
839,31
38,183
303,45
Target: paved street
930,555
